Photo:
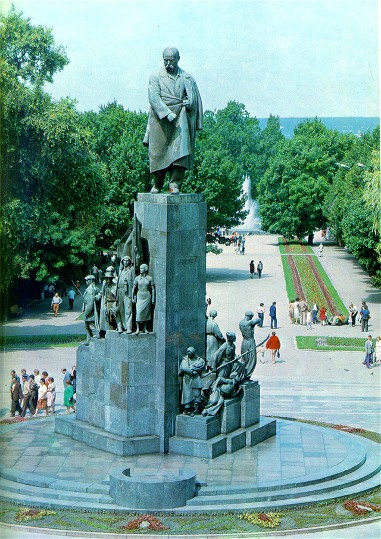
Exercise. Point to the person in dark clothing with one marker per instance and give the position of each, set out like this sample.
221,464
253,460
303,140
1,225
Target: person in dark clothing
365,315
252,269
16,397
260,269
274,321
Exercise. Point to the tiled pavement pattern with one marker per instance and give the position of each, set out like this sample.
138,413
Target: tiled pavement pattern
301,464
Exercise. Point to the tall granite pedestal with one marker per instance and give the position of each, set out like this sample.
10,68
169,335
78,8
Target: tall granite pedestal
127,385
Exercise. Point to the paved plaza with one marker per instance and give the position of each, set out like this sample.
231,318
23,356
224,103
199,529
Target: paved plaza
332,387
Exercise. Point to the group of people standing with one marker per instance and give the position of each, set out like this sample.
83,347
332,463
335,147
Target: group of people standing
362,316
300,312
37,391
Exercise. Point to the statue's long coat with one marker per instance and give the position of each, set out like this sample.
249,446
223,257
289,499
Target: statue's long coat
172,142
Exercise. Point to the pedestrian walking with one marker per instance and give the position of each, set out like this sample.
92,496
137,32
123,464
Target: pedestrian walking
352,315
252,268
261,314
272,312
261,353
260,269
69,400
368,352
16,397
42,400
33,386
315,310
323,316
273,344
303,312
291,310
24,373
377,354
320,250
71,296
37,376
51,395
296,311
14,375
365,316
67,377
73,378
27,395
56,302
309,319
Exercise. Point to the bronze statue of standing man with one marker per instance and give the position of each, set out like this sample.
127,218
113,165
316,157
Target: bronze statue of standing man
174,117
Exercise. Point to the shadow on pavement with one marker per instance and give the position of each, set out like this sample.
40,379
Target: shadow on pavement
228,275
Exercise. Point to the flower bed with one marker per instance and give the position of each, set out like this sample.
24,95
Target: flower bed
265,520
26,514
145,522
310,280
361,508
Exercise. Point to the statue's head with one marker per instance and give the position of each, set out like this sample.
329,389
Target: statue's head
89,279
230,336
110,273
191,352
213,313
126,261
249,314
143,268
171,59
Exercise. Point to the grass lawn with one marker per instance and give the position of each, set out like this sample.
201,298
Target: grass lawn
350,344
40,341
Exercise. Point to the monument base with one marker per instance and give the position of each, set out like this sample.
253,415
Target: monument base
237,425
101,439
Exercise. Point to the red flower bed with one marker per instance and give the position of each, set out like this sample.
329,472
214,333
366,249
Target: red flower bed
348,429
145,522
361,508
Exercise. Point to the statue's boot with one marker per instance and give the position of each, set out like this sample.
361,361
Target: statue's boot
174,188
158,181
120,329
177,177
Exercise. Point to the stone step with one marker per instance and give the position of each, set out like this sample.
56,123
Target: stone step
52,482
369,471
303,501
275,505
52,493
26,499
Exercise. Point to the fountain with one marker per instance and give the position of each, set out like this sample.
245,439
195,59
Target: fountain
252,223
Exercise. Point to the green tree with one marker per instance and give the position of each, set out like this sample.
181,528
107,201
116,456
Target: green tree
51,179
267,143
293,189
352,204
225,153
118,140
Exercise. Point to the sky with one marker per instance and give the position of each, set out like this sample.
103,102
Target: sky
291,58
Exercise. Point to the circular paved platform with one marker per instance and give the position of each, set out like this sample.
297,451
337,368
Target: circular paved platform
302,464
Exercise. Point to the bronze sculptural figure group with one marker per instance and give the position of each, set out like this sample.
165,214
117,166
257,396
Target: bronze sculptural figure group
204,385
111,307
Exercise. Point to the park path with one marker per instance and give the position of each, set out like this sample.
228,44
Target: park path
317,385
